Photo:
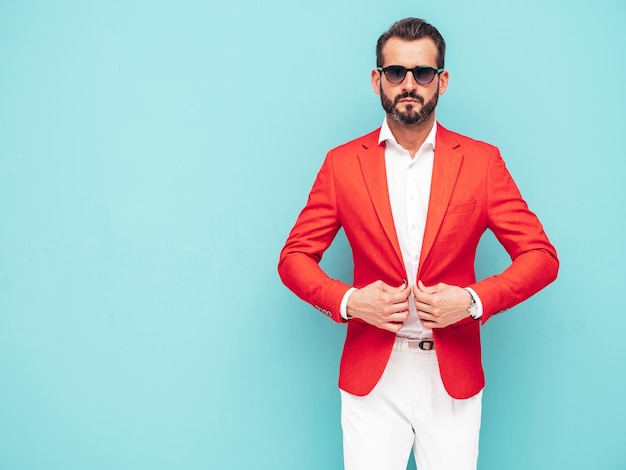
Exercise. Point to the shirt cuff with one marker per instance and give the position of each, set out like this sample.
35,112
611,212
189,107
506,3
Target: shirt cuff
479,304
343,307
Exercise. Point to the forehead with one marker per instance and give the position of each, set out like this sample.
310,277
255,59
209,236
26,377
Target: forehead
422,51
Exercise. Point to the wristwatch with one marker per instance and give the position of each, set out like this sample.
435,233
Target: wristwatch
473,308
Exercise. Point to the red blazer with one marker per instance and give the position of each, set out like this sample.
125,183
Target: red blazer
471,191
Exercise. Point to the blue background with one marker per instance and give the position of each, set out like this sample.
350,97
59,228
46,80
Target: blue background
153,157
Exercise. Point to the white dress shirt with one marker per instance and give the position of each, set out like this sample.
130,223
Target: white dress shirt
408,182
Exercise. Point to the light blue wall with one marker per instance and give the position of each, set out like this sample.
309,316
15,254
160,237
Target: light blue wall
153,157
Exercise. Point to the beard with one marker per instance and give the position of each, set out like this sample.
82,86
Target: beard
409,116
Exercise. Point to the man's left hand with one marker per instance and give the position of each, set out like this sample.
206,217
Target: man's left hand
441,305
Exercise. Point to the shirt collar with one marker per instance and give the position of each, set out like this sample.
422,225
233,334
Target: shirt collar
387,135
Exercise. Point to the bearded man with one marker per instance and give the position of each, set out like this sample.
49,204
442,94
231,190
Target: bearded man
414,200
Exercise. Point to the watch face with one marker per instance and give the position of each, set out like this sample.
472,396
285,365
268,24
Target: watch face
473,310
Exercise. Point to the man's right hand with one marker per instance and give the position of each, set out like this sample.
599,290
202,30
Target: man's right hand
380,305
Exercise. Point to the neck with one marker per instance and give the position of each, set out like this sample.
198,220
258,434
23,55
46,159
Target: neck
411,136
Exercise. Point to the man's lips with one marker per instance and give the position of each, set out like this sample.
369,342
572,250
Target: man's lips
409,99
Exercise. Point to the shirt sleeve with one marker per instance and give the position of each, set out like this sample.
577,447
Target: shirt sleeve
343,307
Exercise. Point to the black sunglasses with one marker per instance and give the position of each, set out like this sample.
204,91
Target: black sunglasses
422,74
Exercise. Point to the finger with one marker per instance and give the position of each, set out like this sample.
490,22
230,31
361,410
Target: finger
391,289
422,293
423,307
428,289
404,291
393,310
420,296
399,296
400,316
398,309
424,315
428,321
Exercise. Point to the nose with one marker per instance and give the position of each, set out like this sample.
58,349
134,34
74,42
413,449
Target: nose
409,82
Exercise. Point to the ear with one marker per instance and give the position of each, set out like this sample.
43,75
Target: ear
376,81
444,78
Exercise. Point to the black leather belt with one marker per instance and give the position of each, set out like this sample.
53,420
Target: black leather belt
424,345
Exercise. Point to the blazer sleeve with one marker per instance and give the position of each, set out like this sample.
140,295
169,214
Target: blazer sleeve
314,230
534,259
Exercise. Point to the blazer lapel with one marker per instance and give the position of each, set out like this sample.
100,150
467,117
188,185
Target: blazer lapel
372,160
446,166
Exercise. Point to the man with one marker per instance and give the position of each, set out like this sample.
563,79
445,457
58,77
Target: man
414,199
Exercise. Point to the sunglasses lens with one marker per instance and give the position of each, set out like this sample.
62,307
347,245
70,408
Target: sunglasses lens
424,75
395,74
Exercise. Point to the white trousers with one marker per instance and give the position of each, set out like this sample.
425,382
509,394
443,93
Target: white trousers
409,408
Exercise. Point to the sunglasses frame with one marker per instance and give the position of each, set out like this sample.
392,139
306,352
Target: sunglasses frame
413,71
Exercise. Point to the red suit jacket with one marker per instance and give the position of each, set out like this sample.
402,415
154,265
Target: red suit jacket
471,191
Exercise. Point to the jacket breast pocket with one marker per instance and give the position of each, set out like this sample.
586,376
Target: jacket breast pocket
461,208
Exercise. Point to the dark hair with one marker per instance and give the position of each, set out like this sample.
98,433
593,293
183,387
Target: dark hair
411,29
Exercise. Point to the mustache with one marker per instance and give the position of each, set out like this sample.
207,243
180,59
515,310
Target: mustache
411,95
